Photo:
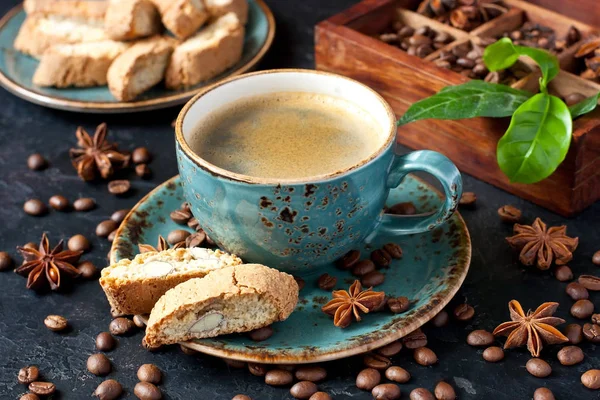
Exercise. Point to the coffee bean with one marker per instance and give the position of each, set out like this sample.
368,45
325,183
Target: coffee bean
320,396
177,235
574,332
257,369
195,240
29,396
363,267
181,217
42,388
425,356
381,258
104,228
311,373
326,282
147,391
87,270
465,63
35,207
493,354
186,350
390,349
194,224
121,326
301,283
287,367
241,397
137,320
591,379
278,377
574,98
59,202
418,40
234,363
582,309
538,368
407,208
590,282
6,261
443,391
397,374
78,243
381,305
591,332
141,155
119,187
108,390
563,273
464,312
415,339
303,390
36,162
441,319
480,70
98,364
376,361
84,204
596,258
576,291
543,394
105,342
386,391
467,199
149,373
570,355
480,337
143,171
348,260
373,278
421,394
111,237
56,323
367,379
28,375
260,334
398,304
119,215
393,249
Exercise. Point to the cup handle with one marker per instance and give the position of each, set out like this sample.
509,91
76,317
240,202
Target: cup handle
441,168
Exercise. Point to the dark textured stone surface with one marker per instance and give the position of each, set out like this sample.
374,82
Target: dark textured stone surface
495,276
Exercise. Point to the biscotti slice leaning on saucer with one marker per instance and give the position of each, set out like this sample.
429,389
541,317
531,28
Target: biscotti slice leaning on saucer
39,33
228,300
182,17
80,65
140,67
84,9
216,8
131,19
134,286
210,52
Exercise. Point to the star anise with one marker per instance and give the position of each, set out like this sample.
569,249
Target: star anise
43,264
96,155
539,244
534,329
162,245
352,302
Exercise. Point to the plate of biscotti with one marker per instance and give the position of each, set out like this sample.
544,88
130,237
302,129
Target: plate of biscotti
114,56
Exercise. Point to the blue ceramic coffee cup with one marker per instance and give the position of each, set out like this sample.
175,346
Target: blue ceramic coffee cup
296,225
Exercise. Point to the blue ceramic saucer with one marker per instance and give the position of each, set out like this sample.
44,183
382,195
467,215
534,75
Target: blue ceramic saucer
431,271
16,70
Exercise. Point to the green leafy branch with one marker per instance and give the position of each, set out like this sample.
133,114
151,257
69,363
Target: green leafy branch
539,135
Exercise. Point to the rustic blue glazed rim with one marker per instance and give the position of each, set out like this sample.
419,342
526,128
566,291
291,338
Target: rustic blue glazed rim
433,268
17,69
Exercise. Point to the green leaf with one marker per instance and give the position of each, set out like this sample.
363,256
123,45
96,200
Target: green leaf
548,63
537,139
584,106
500,55
471,99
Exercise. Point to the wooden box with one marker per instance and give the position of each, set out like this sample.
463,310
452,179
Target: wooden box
348,44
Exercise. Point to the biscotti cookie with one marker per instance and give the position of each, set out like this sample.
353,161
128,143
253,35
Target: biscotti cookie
38,33
80,65
228,300
84,9
131,19
182,17
134,286
216,8
207,54
140,67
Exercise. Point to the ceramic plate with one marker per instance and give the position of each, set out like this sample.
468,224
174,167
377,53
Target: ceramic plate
431,271
16,70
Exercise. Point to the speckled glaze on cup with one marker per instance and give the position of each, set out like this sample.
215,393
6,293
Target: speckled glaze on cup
297,225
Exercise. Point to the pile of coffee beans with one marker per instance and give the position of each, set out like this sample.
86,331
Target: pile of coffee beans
531,34
30,376
419,42
462,14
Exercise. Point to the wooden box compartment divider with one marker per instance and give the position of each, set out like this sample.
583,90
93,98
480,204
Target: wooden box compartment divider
348,44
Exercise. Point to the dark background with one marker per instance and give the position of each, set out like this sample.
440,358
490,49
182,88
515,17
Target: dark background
494,279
